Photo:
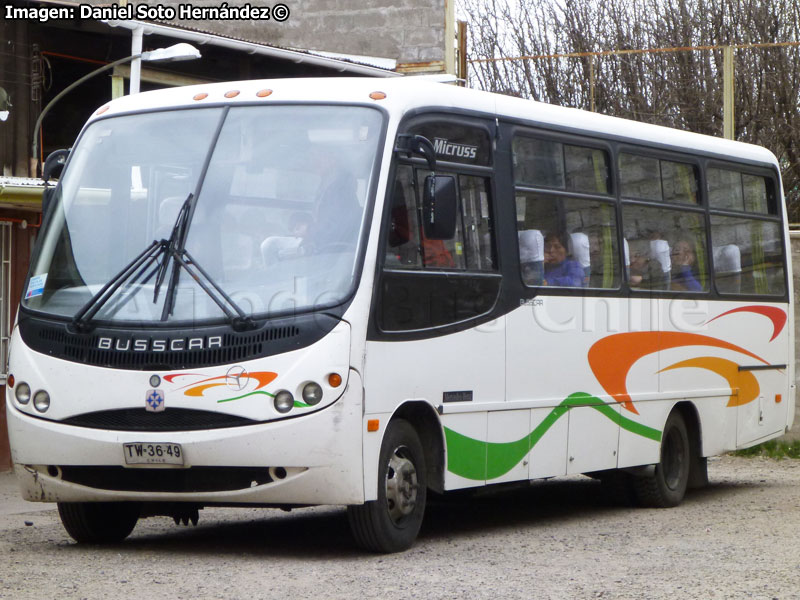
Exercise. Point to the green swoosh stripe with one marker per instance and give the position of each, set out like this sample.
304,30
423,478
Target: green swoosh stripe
245,396
477,460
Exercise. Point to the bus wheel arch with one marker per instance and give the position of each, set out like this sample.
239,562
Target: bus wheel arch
425,420
666,484
698,468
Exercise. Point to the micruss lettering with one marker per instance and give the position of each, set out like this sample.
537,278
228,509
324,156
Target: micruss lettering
443,146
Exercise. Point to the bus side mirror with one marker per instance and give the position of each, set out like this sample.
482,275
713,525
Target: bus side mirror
439,207
54,164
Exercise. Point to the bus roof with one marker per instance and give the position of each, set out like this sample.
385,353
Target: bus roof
409,93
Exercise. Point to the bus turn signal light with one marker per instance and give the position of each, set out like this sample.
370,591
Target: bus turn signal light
373,424
778,398
377,95
335,380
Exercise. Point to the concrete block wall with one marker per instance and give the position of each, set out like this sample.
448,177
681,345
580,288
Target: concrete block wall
408,31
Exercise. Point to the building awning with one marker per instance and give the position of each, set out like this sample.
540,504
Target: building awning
342,63
21,193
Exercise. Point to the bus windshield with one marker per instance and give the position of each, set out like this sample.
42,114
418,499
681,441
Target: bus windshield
278,196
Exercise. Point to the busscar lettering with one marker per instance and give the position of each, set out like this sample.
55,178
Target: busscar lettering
159,345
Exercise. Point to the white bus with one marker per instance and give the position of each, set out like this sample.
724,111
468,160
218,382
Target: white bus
352,291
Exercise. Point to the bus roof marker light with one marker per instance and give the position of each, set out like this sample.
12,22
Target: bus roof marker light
263,93
377,95
200,96
232,94
102,110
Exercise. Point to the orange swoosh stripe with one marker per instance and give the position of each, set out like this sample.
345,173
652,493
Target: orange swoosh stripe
743,381
610,358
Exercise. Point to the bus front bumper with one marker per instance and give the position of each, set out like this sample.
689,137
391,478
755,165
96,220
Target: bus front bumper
312,459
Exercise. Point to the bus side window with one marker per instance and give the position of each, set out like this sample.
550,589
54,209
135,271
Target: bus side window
756,246
667,249
567,242
432,283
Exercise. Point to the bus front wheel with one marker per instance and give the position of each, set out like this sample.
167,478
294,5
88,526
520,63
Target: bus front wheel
99,522
667,485
391,523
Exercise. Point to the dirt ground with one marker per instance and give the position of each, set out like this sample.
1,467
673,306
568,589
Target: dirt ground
555,539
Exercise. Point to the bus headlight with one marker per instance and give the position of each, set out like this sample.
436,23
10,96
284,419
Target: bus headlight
284,401
312,393
23,392
41,401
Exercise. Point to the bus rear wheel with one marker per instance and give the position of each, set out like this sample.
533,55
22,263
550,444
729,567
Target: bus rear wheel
391,523
99,522
666,487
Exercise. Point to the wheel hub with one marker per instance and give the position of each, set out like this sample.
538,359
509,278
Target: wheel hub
401,486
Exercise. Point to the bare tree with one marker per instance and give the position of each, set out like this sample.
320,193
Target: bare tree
681,87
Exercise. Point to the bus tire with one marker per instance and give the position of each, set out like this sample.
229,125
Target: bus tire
666,487
391,523
99,522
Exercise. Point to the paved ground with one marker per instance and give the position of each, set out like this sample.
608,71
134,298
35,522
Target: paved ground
558,539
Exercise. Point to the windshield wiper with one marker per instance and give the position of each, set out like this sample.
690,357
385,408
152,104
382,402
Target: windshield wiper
136,268
169,250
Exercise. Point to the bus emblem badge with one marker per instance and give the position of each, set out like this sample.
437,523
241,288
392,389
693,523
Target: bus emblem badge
154,401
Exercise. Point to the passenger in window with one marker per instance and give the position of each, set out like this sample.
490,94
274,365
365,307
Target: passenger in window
683,262
531,256
560,270
639,263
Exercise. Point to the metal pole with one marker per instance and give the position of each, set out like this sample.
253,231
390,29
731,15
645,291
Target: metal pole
64,92
136,65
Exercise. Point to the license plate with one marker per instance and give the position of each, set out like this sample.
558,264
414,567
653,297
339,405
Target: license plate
153,453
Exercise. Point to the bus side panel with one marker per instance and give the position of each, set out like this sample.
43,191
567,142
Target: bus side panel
466,451
593,445
507,429
457,372
549,455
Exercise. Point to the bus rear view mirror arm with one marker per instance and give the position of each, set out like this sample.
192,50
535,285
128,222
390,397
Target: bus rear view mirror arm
417,144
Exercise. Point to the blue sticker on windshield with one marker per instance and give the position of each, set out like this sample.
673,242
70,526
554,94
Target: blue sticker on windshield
36,286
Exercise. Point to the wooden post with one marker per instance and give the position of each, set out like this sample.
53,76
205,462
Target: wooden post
727,94
462,51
